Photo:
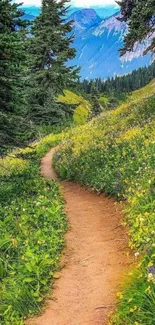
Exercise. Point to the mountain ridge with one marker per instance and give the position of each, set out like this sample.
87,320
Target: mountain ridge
102,11
84,19
98,48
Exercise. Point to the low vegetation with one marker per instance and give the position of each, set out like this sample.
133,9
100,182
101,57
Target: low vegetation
32,227
115,153
83,107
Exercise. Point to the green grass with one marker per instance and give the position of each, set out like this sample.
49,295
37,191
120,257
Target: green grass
32,227
82,111
115,153
103,100
143,92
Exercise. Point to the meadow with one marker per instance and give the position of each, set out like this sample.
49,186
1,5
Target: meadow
114,153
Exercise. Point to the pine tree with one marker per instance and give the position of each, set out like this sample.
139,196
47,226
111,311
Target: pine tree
50,49
96,106
12,58
140,16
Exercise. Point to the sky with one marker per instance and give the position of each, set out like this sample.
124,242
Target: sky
76,3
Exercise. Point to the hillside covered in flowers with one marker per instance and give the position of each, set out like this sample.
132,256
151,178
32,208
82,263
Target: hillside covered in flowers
115,153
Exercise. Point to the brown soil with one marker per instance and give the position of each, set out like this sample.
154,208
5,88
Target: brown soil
95,258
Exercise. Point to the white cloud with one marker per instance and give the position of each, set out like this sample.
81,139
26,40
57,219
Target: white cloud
89,3
77,3
31,2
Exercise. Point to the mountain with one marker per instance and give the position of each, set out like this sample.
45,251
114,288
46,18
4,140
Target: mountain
28,17
97,43
83,20
102,11
31,10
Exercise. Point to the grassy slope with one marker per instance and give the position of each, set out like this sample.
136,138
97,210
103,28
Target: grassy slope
146,91
83,106
115,153
32,208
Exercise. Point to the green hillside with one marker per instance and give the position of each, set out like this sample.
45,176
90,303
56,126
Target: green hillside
83,108
115,153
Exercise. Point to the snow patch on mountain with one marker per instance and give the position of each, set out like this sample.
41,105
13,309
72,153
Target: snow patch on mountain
111,24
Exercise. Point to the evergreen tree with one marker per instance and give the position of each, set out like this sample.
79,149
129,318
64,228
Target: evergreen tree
50,49
96,106
12,58
140,16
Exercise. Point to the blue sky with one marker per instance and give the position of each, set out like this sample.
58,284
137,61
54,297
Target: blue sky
77,3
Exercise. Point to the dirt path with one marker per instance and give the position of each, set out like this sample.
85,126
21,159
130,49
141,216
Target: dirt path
95,258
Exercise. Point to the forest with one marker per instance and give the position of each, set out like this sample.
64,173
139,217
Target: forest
77,194
121,84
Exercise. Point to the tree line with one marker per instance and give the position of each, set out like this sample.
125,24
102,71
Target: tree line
121,84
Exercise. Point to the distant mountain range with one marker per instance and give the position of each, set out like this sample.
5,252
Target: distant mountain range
97,42
103,12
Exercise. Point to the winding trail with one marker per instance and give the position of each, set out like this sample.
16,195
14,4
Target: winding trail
94,260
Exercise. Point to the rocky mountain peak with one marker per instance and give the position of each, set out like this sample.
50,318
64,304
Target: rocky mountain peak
85,18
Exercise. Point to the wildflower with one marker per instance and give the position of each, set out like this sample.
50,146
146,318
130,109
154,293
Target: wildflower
150,264
148,290
132,310
14,242
120,295
151,269
116,186
150,277
136,254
